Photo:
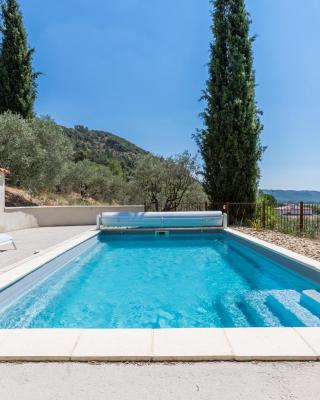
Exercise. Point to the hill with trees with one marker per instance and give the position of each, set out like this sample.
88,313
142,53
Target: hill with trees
103,147
77,165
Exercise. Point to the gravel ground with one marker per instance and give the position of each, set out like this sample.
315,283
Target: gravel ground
124,381
306,247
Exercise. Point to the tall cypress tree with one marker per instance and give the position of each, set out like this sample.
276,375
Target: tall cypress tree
229,142
17,77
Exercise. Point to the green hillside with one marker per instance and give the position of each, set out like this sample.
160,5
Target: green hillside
103,147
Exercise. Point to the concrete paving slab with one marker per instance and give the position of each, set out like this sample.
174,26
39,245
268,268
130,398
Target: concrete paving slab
268,344
113,345
38,344
191,344
29,241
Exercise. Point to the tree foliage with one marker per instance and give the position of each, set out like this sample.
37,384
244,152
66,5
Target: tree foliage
96,181
36,152
104,148
229,142
164,183
51,161
17,77
267,198
40,157
17,147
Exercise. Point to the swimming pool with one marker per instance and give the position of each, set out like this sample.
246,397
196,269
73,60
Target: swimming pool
175,280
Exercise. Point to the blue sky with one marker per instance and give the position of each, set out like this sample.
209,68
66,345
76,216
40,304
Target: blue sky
137,68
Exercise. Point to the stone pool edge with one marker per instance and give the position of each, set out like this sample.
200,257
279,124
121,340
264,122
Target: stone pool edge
192,344
23,268
152,345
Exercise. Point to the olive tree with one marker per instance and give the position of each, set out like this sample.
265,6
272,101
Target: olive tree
36,152
50,163
164,183
17,148
90,179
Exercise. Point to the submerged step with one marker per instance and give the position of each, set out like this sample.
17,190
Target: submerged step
260,314
285,304
311,300
230,312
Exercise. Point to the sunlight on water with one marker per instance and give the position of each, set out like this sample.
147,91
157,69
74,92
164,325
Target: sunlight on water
177,281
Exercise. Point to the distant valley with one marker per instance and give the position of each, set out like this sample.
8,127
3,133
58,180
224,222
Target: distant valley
308,196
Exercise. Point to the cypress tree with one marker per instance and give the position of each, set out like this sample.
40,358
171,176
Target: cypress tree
229,141
17,77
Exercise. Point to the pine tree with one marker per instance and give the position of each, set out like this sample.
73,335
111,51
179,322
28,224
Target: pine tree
17,77
229,142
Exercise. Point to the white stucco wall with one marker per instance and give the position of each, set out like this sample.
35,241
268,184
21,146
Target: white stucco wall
65,215
2,193
15,218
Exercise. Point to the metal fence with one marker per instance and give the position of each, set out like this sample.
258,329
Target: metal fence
302,219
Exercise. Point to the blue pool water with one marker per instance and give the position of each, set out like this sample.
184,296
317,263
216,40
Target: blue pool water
175,281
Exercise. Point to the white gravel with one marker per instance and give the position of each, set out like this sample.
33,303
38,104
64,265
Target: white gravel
306,247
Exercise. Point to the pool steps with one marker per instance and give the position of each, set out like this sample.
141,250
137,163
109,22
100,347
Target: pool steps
311,300
230,313
271,308
256,302
292,304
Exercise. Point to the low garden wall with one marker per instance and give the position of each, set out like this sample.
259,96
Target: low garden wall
28,217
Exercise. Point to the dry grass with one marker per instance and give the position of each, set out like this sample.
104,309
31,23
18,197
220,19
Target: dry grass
21,198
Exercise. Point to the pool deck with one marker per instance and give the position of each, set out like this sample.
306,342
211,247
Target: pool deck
29,241
240,344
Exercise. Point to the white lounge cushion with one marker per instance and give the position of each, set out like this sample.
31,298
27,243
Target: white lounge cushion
5,238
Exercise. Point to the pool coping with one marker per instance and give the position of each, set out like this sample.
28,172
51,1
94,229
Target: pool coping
289,254
24,267
191,344
194,344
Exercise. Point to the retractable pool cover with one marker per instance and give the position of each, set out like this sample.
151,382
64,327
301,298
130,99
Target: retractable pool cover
161,219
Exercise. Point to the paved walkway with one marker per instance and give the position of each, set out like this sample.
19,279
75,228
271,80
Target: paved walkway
29,241
198,381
